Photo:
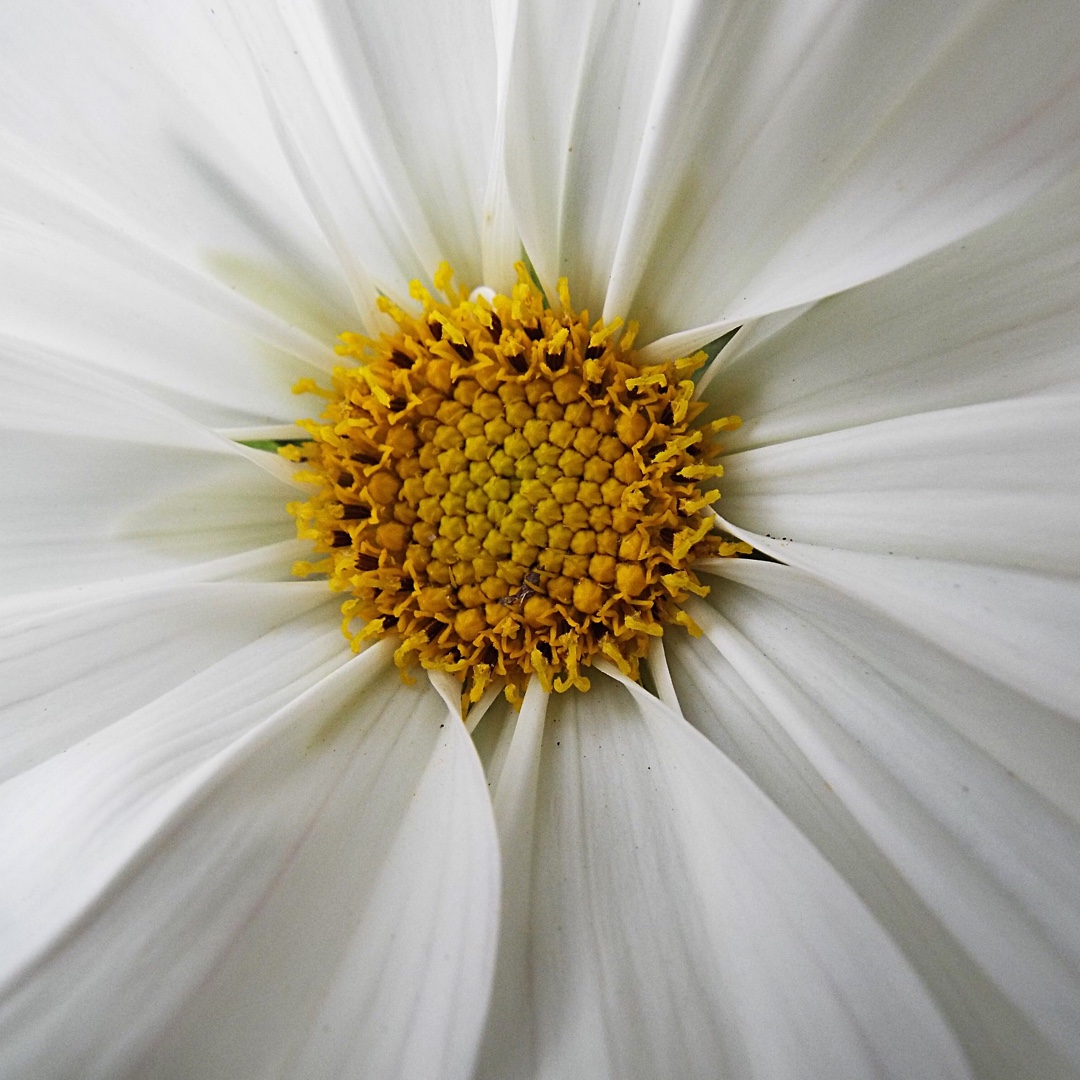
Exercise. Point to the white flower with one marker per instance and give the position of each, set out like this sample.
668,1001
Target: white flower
231,849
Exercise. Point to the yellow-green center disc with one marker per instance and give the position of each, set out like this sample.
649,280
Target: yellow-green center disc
501,486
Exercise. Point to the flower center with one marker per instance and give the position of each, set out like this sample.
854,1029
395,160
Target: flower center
503,488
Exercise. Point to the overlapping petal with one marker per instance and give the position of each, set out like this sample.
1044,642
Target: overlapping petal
993,484
105,482
947,799
389,117
165,920
680,925
992,318
69,669
699,164
148,182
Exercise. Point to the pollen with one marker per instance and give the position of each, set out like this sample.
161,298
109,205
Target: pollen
501,486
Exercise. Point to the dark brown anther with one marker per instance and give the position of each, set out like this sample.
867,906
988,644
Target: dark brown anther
594,352
528,587
667,537
345,479
534,333
366,562
436,329
667,417
401,360
464,351
407,585
352,512
340,539
556,362
366,457
398,404
545,650
496,328
518,363
649,452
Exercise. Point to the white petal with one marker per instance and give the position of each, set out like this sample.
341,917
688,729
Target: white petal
1015,626
994,317
94,509
67,672
318,895
500,243
48,393
160,118
389,118
580,85
111,792
105,482
492,736
272,562
734,343
263,432
149,180
81,287
697,164
995,483
511,1024
958,816
681,926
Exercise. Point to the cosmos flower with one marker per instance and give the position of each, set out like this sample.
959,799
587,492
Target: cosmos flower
835,835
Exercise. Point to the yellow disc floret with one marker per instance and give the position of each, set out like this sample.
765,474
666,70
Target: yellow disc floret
502,487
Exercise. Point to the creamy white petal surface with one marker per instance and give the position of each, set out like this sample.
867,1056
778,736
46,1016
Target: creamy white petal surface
932,413
1012,624
995,483
674,911
947,800
181,877
146,191
77,667
110,483
994,317
736,159
119,310
343,85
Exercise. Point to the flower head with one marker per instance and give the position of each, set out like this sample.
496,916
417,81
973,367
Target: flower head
816,813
